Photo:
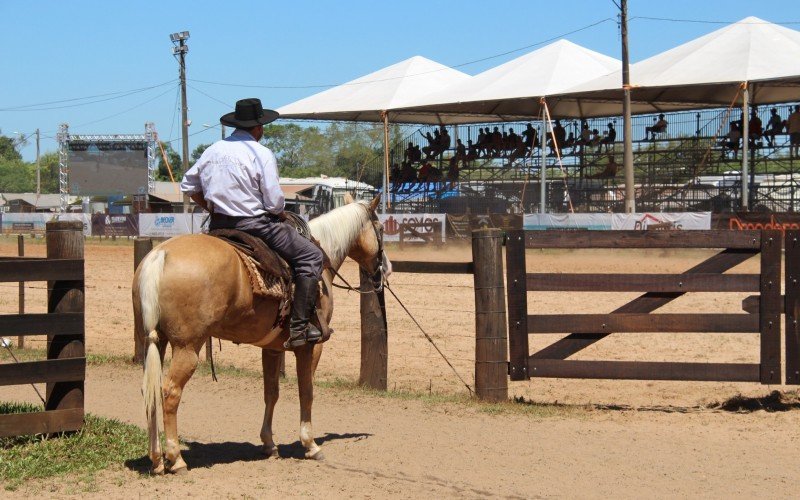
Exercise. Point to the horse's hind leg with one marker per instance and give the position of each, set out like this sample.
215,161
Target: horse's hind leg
184,362
271,364
305,383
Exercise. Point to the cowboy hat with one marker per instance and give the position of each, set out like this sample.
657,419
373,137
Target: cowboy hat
249,113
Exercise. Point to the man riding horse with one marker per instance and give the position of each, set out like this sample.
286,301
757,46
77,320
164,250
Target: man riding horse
236,180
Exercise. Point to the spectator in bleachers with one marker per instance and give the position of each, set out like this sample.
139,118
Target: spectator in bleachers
586,135
472,152
432,141
659,127
609,139
733,140
775,126
531,137
560,135
571,142
424,172
481,145
496,142
755,128
461,151
407,173
793,127
596,138
609,171
444,141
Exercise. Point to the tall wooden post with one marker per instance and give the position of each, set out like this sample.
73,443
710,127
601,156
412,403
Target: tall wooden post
491,337
21,253
792,305
769,312
65,241
141,247
374,337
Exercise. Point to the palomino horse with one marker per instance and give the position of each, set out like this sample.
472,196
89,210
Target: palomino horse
195,286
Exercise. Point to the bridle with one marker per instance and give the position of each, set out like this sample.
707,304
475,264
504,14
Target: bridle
378,277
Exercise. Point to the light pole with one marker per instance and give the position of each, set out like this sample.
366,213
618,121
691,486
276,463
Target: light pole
180,49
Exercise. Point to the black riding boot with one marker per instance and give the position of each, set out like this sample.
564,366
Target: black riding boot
301,331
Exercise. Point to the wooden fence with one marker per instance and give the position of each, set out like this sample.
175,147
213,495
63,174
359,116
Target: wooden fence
491,340
64,370
421,232
659,289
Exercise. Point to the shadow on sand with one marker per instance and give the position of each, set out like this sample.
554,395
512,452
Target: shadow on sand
203,455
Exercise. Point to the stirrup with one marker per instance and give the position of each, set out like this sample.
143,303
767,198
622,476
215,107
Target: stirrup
311,336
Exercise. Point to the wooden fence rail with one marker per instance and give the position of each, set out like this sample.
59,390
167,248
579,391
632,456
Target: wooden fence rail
64,370
636,316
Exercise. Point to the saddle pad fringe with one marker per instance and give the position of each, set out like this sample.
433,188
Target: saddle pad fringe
266,286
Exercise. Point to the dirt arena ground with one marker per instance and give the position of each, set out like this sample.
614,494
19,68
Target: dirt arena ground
624,438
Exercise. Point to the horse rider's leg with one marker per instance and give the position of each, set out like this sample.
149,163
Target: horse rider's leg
271,364
305,383
184,362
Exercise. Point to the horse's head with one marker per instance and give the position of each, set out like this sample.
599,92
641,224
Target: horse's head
368,250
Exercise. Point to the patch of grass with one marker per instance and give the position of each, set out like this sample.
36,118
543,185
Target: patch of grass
37,354
101,443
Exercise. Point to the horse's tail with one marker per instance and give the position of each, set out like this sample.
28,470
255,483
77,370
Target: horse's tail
152,268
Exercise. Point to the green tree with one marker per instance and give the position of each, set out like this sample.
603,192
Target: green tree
8,148
198,152
16,176
174,162
49,172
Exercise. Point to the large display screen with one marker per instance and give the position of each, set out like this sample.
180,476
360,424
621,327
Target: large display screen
103,168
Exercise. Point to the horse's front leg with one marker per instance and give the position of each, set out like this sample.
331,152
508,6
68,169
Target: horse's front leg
184,362
305,383
271,365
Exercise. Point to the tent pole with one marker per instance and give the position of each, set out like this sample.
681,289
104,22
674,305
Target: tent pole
543,167
385,161
745,147
627,158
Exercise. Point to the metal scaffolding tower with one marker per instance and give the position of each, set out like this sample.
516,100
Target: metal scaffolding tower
63,165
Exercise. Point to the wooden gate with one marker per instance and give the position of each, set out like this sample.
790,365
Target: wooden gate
64,370
659,289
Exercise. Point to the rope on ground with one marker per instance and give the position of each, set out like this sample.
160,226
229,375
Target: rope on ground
428,337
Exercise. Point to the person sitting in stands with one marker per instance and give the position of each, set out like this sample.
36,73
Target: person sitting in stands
417,154
660,126
432,140
774,127
570,142
530,137
754,128
514,141
731,142
409,152
434,175
452,170
424,172
407,173
560,134
594,142
609,139
472,152
586,135
444,142
481,144
496,142
461,151
609,171
394,177
793,127
504,144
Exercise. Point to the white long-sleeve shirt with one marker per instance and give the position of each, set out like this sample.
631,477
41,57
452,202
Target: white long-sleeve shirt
237,176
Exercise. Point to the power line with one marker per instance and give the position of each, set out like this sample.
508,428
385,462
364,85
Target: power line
227,105
125,111
705,21
541,42
124,93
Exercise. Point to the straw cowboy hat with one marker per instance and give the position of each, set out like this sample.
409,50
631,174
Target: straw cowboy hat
249,113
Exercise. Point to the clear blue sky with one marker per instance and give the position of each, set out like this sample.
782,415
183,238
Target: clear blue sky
59,50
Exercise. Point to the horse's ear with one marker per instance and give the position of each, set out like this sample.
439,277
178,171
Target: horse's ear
373,205
348,198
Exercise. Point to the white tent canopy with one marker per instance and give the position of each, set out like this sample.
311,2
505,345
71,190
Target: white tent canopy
512,90
365,98
705,72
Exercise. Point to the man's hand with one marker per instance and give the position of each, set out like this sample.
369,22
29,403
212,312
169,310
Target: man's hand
282,216
200,200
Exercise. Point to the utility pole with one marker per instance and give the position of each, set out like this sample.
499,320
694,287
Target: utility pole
181,49
627,159
38,167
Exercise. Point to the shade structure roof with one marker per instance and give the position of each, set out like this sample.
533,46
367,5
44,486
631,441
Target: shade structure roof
512,90
705,72
363,99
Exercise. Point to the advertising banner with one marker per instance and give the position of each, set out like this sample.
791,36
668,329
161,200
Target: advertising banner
742,221
164,225
84,219
115,225
597,222
661,220
35,223
391,224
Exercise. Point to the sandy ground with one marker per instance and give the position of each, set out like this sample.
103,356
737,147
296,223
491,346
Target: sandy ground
666,445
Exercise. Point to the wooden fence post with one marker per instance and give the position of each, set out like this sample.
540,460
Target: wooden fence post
21,253
374,337
141,247
770,307
792,307
491,337
65,241
517,305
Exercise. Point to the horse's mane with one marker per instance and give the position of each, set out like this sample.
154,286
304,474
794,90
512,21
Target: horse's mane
337,229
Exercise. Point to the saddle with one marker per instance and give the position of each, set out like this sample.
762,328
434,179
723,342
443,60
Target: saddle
270,275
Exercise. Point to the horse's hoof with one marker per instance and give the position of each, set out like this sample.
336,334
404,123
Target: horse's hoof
315,455
158,471
181,471
270,451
